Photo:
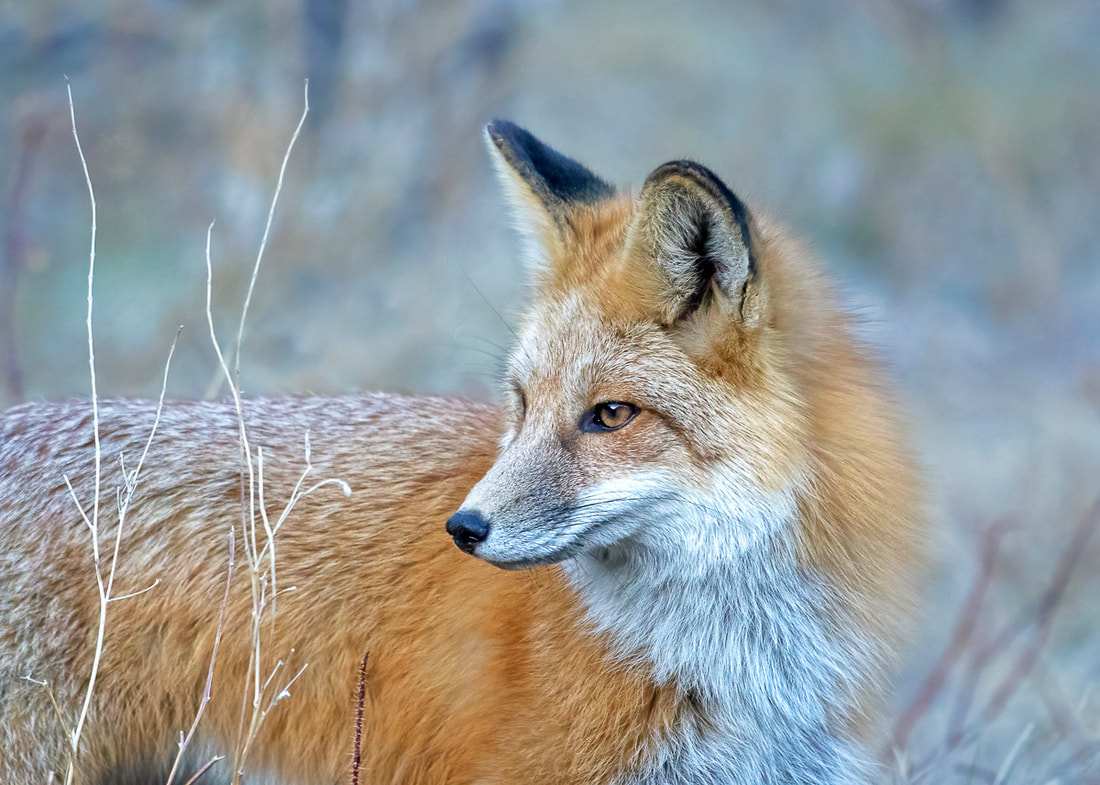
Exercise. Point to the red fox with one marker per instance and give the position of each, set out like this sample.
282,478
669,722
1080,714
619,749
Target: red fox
698,490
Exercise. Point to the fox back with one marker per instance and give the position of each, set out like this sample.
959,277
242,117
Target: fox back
694,523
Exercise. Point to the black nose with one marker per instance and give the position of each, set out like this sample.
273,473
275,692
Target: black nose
468,529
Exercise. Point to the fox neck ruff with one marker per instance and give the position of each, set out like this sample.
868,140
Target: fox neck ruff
750,637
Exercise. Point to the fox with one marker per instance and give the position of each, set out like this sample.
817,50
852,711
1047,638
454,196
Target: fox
683,547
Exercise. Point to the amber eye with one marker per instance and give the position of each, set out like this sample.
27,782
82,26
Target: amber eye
608,416
520,399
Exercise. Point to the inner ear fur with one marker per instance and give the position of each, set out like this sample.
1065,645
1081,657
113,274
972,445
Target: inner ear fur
696,235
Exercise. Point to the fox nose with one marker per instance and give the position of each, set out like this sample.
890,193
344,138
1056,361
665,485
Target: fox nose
468,529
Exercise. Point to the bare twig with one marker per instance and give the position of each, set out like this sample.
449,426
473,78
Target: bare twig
965,725
206,694
295,495
90,514
131,480
1044,615
137,593
1037,620
267,228
356,760
205,768
74,737
960,637
263,695
220,379
1013,754
249,519
252,287
53,701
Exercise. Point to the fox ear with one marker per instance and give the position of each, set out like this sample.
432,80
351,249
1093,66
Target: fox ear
542,185
698,235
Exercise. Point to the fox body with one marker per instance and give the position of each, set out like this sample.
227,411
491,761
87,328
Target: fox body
695,481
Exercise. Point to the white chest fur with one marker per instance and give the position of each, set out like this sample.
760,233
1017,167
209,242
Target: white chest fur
742,630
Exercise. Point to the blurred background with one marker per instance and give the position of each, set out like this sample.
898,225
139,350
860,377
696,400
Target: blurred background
941,155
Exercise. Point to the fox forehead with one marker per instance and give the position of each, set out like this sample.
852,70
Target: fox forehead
572,348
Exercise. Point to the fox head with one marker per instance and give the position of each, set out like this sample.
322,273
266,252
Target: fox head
648,404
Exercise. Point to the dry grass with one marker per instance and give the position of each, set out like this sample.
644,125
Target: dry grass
263,690
982,668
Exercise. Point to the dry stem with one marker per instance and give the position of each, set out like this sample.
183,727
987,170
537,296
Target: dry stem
933,683
92,519
93,523
966,723
185,741
263,695
357,758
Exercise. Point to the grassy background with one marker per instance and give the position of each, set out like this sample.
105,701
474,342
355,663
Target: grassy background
940,154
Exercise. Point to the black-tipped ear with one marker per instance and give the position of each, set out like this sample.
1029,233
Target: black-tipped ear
699,235
554,179
542,184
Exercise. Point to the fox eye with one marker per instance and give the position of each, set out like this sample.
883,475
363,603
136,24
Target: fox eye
608,416
521,399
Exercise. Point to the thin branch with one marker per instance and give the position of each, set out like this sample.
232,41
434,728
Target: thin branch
79,506
297,493
131,484
104,589
1048,607
269,533
206,694
273,688
359,721
1010,759
74,738
284,691
91,342
248,522
344,488
960,637
148,588
206,767
1038,620
267,682
131,480
267,228
53,700
216,385
250,537
962,729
